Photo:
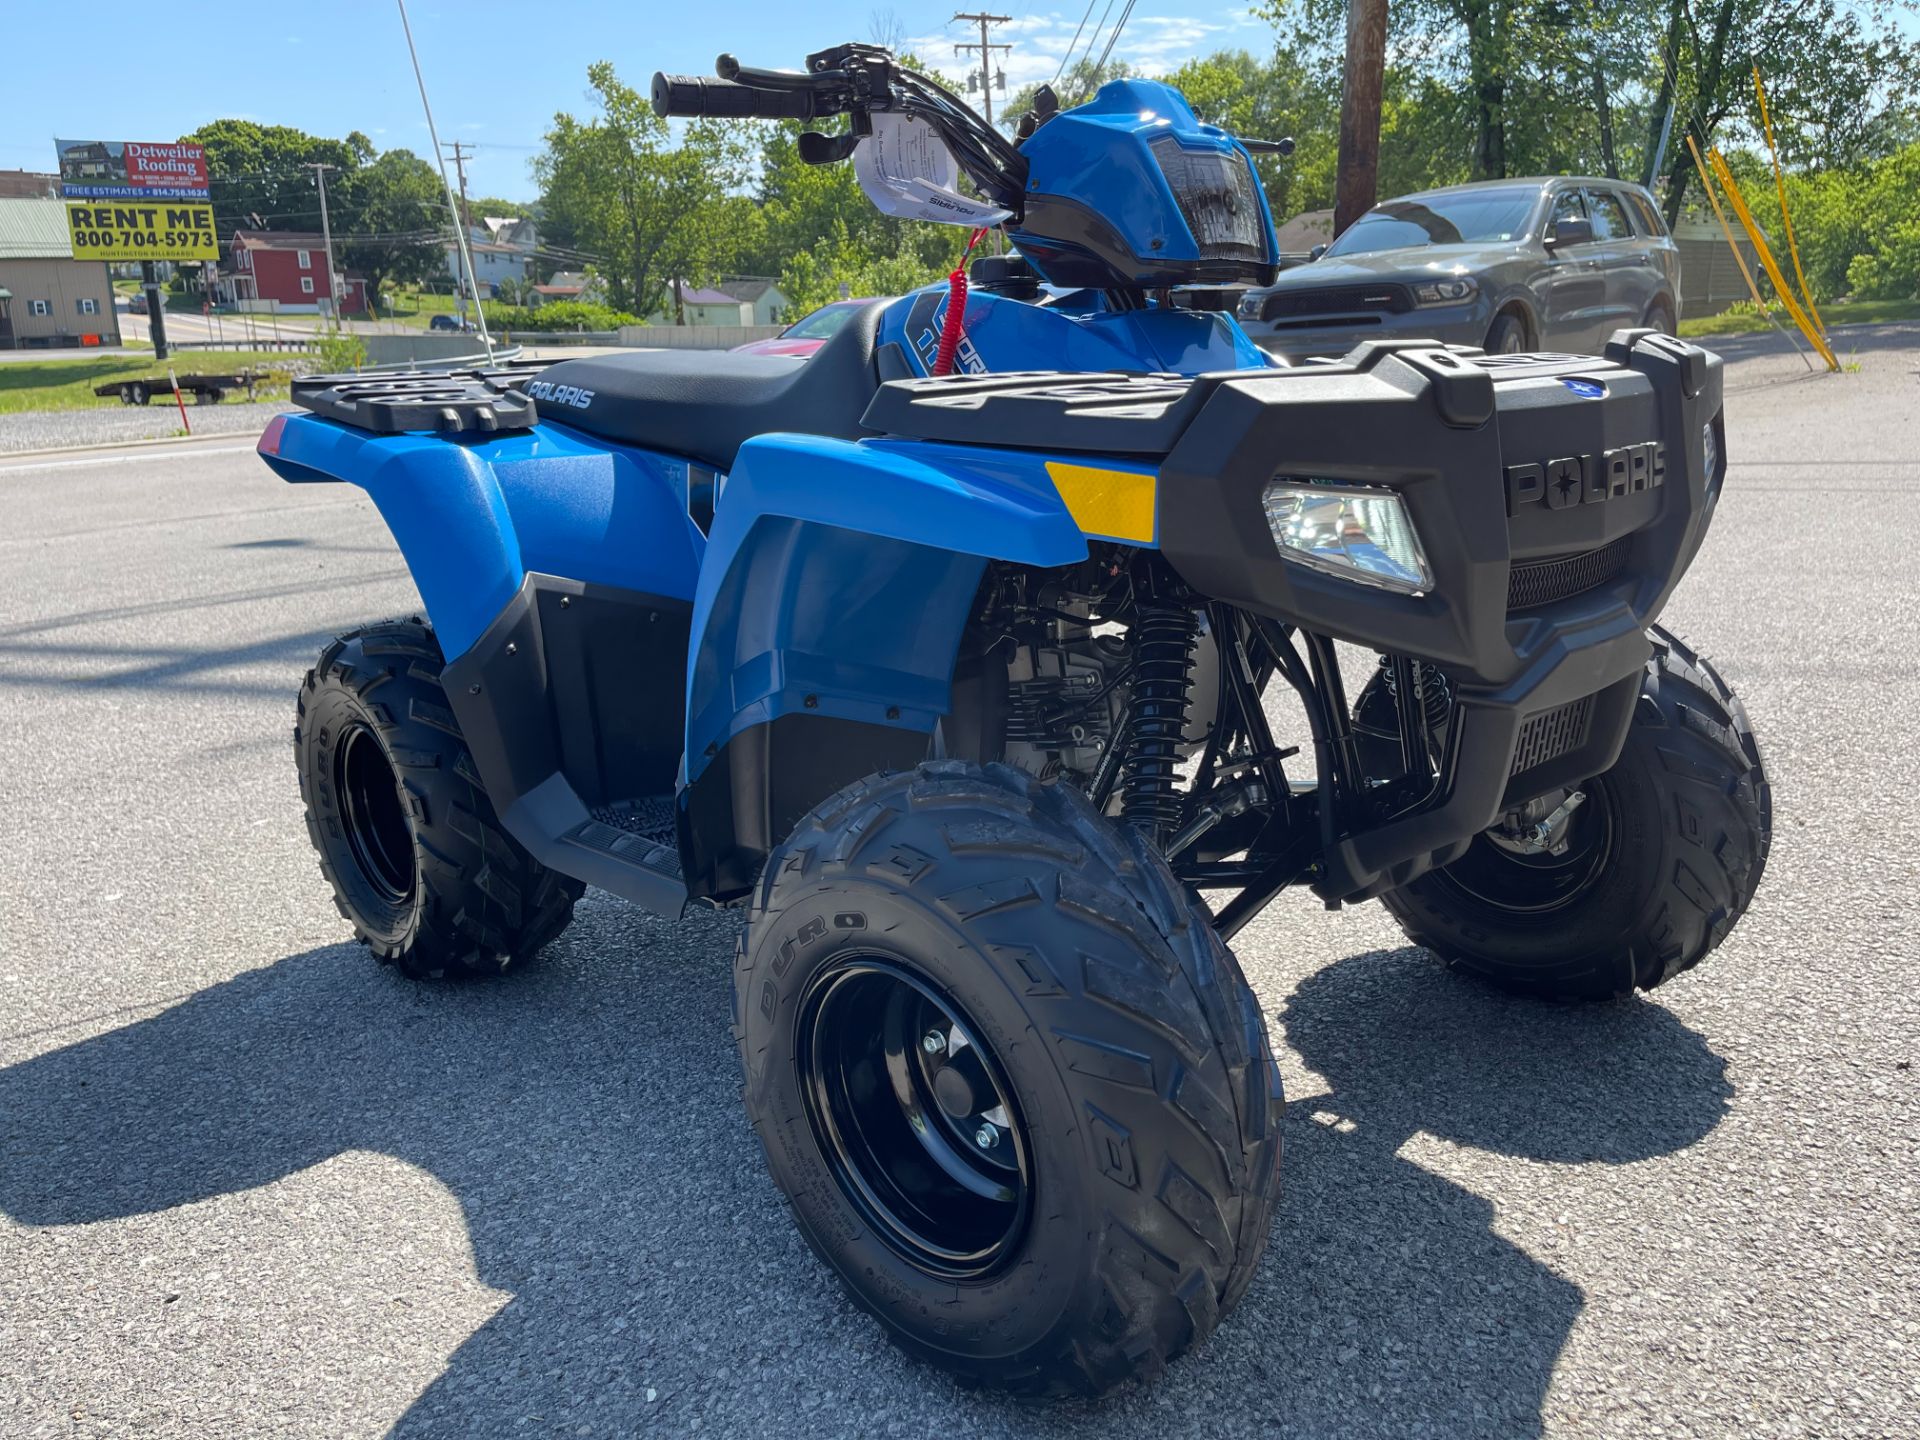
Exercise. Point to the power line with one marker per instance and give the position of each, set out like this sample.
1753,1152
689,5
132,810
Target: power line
1125,15
1074,43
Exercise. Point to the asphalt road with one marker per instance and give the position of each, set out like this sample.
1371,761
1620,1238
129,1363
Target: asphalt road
252,1185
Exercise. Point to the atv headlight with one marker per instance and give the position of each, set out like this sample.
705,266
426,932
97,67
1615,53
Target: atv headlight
1356,533
1444,292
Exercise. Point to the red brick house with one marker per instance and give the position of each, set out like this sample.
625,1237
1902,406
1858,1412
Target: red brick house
288,266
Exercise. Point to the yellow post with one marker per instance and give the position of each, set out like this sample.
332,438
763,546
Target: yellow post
1767,262
1786,219
1706,181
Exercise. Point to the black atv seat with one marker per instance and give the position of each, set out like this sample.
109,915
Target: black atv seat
705,404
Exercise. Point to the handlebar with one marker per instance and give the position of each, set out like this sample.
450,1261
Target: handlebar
703,96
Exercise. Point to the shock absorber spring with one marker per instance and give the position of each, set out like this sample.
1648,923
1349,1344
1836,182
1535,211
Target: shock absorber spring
1163,641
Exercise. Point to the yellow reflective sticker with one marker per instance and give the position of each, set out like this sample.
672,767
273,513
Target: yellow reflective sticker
1115,503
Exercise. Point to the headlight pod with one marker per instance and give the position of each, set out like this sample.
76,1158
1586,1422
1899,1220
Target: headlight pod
1445,292
1354,532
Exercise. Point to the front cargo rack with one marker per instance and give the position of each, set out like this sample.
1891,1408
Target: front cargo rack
487,399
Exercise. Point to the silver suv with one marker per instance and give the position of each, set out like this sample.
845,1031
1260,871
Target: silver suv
1551,263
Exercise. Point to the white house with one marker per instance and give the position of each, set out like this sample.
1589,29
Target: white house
743,301
502,249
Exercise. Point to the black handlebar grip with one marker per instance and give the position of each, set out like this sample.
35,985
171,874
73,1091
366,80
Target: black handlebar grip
722,99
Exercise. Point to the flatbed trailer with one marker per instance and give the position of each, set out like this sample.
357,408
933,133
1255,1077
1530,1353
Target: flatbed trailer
205,389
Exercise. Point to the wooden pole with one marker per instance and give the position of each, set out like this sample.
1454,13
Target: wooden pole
1357,186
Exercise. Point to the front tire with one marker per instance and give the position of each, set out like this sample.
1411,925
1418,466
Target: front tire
960,919
1663,857
1507,335
406,835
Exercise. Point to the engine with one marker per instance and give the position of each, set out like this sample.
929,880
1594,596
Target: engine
1069,686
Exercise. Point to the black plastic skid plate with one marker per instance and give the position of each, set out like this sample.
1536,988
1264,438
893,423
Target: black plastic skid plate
488,400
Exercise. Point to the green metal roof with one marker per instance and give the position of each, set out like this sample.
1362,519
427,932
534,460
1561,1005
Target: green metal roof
34,230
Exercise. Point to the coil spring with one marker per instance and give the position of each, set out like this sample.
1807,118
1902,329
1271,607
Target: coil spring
1163,642
1436,695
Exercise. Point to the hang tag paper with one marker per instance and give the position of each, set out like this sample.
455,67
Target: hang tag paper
908,171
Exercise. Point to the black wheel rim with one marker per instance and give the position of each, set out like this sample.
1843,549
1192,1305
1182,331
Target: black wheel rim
1536,886
900,1121
372,815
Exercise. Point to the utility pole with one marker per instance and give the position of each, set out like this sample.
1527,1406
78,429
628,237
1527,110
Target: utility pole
460,149
461,152
326,234
1356,186
986,56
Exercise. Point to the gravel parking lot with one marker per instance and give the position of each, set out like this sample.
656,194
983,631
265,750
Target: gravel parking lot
111,424
250,1184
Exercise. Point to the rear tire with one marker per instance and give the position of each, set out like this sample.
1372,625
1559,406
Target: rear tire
418,862
1660,317
1136,1178
1679,828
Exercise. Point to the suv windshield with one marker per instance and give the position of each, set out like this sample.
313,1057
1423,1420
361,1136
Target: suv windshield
820,324
1472,216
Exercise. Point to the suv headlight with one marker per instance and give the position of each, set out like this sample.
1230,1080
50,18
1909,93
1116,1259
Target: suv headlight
1250,305
1353,532
1445,292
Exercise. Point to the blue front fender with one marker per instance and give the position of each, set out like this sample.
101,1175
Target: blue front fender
839,576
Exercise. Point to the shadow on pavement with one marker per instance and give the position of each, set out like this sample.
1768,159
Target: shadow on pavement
586,1116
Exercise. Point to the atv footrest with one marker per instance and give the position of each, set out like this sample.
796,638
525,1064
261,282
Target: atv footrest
634,832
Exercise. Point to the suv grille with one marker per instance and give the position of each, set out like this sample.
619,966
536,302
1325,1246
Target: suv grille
1544,582
1335,300
1549,734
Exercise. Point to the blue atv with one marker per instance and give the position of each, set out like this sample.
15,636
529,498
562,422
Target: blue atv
962,658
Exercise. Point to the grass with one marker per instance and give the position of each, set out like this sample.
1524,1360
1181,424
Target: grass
67,384
1840,312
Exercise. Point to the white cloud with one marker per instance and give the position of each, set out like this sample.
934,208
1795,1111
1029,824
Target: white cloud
1151,44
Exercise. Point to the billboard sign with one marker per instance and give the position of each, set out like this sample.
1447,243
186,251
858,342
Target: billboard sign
131,170
130,200
127,230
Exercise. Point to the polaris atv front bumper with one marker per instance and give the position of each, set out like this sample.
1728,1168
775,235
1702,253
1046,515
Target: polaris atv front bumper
1558,500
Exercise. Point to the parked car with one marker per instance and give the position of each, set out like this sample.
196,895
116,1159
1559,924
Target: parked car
449,322
803,337
136,304
1553,263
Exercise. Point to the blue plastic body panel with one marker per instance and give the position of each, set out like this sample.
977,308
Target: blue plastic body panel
473,517
1099,156
1001,334
839,576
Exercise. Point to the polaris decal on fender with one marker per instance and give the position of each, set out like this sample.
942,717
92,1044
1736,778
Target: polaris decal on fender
560,394
1587,479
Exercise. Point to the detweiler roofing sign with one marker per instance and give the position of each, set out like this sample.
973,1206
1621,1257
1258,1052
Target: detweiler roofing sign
130,200
131,170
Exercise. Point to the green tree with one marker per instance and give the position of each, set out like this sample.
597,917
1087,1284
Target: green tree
617,186
257,175
390,220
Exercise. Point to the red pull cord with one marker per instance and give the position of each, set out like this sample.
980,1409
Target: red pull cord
956,309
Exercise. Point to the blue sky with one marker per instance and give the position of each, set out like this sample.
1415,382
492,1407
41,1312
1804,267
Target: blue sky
496,72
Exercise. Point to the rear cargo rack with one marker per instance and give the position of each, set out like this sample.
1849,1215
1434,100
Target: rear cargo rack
485,399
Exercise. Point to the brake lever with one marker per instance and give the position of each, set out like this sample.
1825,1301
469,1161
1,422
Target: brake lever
818,149
728,67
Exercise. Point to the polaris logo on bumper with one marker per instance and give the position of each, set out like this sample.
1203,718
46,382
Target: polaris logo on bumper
560,394
1587,479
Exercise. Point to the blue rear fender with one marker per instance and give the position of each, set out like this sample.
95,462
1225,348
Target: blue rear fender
473,518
